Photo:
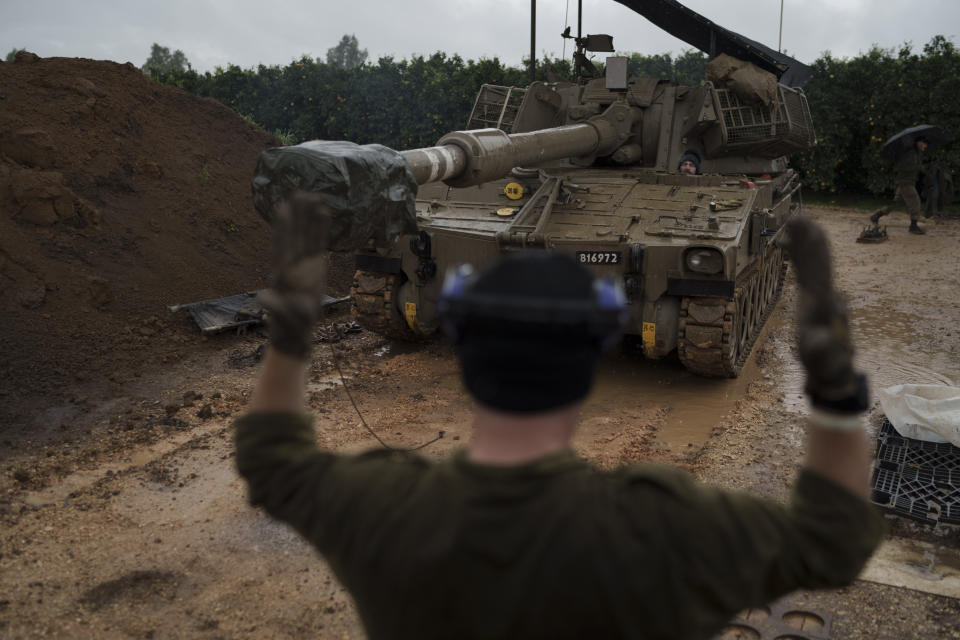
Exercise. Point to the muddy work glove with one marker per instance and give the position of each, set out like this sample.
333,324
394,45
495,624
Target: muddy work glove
823,327
294,301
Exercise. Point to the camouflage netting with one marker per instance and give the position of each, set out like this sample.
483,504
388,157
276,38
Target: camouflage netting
368,190
749,82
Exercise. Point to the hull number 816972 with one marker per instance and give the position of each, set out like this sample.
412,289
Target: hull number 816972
598,257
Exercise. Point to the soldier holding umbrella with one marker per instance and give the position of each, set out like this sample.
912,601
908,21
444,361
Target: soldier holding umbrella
906,149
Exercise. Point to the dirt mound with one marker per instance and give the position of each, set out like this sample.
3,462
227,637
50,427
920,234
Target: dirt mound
118,197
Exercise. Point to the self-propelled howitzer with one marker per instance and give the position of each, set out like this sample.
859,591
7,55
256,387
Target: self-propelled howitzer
591,170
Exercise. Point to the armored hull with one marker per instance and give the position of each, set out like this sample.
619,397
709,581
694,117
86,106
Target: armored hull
642,227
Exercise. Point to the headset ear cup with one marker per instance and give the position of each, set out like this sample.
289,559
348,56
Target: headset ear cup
611,302
456,285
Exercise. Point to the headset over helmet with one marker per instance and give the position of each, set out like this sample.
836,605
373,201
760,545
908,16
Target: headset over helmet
530,328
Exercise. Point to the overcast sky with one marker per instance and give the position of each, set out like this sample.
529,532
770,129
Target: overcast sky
245,32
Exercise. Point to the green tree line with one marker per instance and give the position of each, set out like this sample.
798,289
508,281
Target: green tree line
399,103
857,103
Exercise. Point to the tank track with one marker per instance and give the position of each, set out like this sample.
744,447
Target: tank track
372,295
716,335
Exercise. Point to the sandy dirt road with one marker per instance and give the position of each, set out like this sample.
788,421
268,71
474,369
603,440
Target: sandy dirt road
123,517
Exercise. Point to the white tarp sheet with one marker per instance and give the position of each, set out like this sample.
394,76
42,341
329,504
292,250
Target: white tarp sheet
928,412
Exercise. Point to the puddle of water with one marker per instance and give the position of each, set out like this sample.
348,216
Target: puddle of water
394,348
792,376
913,564
890,349
326,382
695,404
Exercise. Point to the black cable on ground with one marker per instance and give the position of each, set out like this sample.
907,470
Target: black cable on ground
343,381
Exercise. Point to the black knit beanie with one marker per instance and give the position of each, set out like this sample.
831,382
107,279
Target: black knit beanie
690,156
533,365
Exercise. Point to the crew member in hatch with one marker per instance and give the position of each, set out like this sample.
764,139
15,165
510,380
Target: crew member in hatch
689,163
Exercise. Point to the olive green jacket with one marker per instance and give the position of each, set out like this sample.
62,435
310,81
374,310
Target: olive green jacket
551,549
909,168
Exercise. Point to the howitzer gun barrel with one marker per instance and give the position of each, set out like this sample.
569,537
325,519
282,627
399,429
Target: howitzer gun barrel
465,158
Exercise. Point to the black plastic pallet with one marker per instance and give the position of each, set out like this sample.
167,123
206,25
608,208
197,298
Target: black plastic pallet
916,479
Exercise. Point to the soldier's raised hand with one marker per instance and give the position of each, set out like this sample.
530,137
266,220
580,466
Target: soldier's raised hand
294,300
823,327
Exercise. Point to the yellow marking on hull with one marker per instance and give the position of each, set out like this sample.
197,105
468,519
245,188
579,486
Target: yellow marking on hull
649,333
410,313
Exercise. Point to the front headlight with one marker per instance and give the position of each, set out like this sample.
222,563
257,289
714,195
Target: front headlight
704,260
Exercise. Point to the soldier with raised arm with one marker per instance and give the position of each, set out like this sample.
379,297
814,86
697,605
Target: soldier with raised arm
515,536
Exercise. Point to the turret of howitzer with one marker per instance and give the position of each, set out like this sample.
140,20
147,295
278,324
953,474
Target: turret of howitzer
647,122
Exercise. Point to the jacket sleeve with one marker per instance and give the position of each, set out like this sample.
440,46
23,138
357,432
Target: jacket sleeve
734,550
333,500
908,167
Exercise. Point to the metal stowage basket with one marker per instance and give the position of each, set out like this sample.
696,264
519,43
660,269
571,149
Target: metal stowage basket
769,131
496,107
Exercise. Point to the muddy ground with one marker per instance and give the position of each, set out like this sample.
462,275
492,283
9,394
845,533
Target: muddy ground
123,517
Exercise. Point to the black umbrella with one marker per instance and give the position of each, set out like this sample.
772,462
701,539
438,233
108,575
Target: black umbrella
905,140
